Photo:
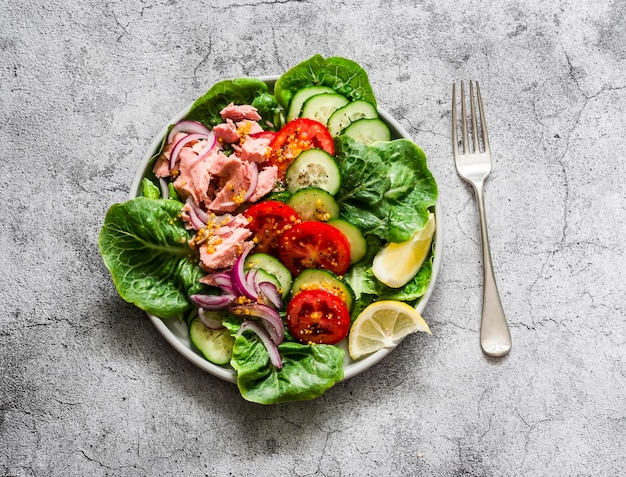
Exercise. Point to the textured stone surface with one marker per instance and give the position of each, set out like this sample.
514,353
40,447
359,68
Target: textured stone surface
87,385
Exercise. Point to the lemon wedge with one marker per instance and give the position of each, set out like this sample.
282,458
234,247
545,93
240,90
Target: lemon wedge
383,324
397,263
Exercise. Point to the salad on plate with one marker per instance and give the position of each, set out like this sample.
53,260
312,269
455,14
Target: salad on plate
284,225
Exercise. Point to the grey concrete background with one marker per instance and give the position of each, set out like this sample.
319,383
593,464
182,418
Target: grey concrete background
88,387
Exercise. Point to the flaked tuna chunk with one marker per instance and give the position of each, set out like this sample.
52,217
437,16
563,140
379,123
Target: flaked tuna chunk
225,249
234,180
254,149
194,177
266,182
240,112
246,127
227,132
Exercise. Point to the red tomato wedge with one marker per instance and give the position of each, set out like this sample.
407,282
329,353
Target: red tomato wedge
318,316
314,245
268,220
297,136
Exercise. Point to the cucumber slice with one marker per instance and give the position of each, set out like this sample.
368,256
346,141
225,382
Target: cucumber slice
321,106
368,131
263,276
351,112
282,196
314,204
358,245
274,268
316,279
215,345
313,168
295,105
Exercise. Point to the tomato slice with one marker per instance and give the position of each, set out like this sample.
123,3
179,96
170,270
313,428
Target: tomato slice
268,220
318,316
314,244
297,136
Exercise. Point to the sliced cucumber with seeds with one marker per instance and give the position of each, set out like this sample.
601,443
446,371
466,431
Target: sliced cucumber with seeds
351,112
295,105
215,345
358,245
368,131
316,279
313,168
273,267
321,106
314,204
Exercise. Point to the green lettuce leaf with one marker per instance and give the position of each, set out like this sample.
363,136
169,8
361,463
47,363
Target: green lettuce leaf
386,187
143,243
343,75
149,190
366,287
206,109
307,372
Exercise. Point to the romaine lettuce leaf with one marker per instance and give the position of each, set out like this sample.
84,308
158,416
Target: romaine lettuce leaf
144,245
307,372
206,109
386,187
363,282
148,189
343,75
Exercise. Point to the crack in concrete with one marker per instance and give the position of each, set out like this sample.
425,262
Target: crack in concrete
265,2
204,59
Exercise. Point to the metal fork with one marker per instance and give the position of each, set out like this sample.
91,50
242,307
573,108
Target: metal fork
474,166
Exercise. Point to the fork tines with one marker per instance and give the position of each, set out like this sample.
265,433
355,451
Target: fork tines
476,129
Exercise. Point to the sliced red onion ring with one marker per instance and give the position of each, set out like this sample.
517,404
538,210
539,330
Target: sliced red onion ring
194,220
182,143
270,317
202,215
212,302
210,143
251,280
254,180
270,346
238,277
223,280
268,290
209,320
188,126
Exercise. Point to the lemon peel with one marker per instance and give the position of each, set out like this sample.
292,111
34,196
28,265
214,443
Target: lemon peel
383,324
397,263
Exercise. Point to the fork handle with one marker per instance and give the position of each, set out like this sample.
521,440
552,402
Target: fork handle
495,337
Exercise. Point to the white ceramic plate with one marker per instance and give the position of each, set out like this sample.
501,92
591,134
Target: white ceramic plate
175,331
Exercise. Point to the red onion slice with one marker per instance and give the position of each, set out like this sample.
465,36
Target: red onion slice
188,126
251,280
209,320
254,180
238,277
270,317
202,215
270,346
195,220
182,143
223,280
269,291
212,302
211,140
